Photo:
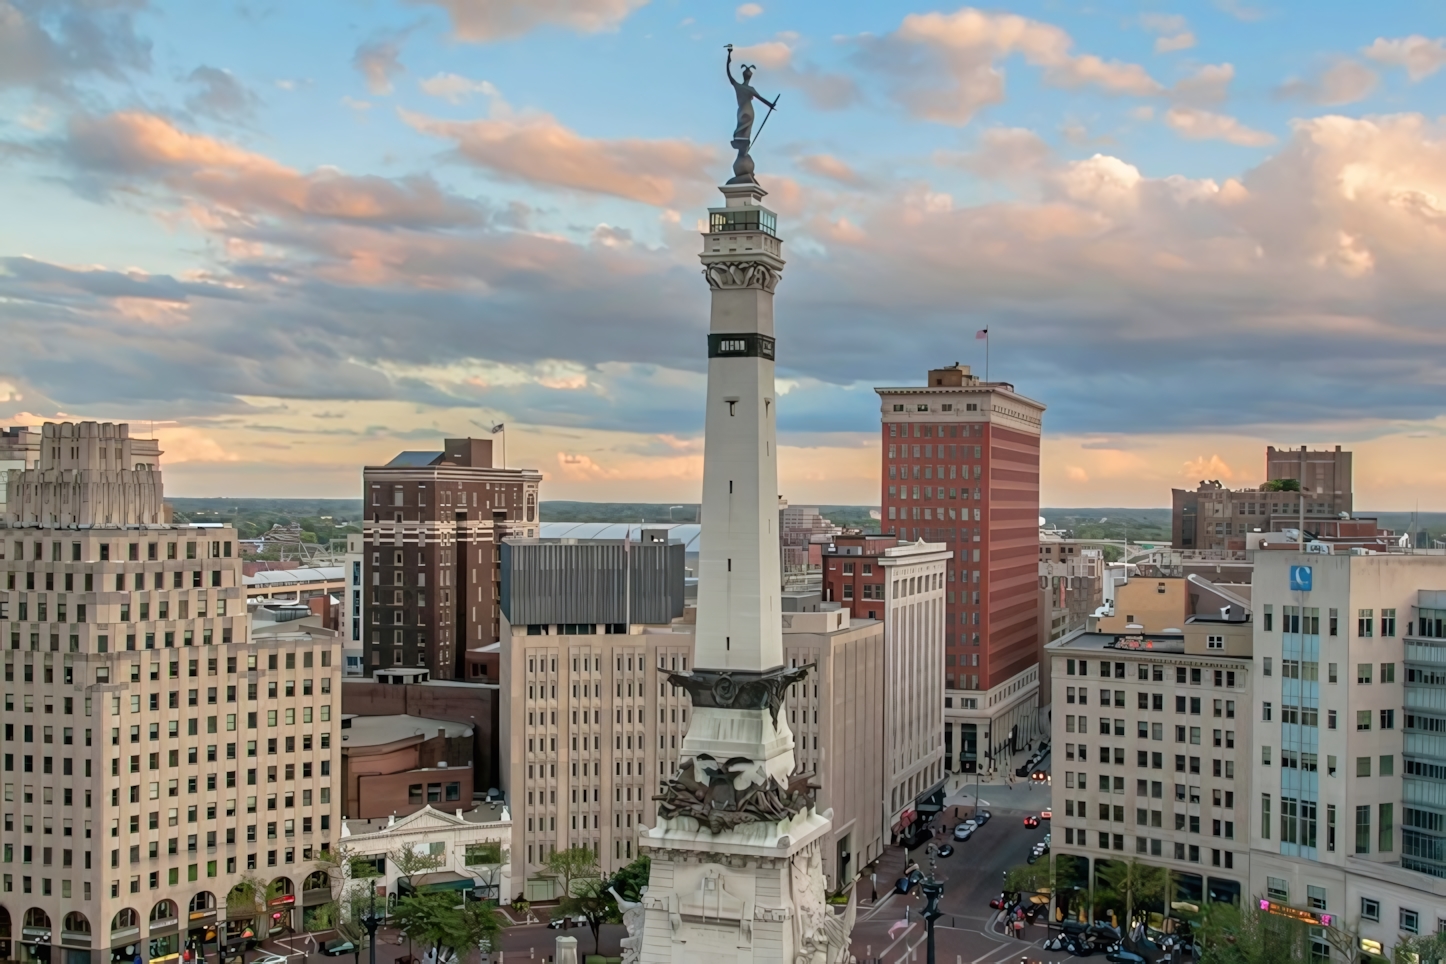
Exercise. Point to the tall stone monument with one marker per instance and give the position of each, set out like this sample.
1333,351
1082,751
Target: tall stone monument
737,873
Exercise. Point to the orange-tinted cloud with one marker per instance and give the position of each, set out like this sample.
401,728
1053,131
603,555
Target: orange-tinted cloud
537,149
970,44
140,146
487,20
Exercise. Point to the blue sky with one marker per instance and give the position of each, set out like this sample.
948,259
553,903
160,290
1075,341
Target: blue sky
298,237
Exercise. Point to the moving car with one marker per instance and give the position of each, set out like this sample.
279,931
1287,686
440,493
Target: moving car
565,922
1031,821
997,903
1046,814
946,850
964,831
337,947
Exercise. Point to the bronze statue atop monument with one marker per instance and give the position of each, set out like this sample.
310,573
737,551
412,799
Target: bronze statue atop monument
743,136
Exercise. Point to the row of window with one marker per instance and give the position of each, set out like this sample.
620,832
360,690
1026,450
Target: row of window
1151,672
931,472
932,493
1144,701
1189,853
1219,768
927,431
131,551
945,452
1306,620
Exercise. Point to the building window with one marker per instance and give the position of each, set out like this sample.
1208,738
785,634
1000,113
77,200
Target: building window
1370,909
1410,921
1363,829
1277,889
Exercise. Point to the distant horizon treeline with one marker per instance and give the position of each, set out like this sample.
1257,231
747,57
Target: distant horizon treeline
331,518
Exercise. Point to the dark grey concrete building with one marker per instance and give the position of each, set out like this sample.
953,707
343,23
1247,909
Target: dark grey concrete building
602,583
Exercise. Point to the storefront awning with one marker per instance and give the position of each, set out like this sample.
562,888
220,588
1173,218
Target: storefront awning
441,880
931,801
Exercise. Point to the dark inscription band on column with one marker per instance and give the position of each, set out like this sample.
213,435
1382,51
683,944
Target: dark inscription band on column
751,345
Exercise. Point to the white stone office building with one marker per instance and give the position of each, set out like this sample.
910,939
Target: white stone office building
156,751
1349,771
914,774
1151,741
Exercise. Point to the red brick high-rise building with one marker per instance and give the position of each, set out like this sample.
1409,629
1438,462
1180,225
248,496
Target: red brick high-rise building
961,467
433,528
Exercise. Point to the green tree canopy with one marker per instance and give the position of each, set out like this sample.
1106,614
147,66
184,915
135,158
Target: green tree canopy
591,901
1131,883
631,880
443,923
571,865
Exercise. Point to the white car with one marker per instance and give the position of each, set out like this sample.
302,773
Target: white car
964,831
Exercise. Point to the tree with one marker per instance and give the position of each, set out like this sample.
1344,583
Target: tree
631,880
247,900
1228,934
591,901
1131,883
572,864
1028,878
1426,949
410,861
446,925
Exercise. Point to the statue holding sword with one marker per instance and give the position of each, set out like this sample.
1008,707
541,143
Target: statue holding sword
743,136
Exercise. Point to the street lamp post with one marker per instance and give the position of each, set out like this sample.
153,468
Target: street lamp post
933,891
371,923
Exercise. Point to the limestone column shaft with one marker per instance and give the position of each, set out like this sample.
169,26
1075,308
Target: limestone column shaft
739,604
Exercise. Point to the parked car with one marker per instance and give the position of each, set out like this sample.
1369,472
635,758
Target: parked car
964,831
946,851
1123,956
997,903
565,922
270,959
982,817
1046,814
337,947
902,885
1031,821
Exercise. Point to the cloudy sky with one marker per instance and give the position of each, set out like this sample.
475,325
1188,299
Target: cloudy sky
299,237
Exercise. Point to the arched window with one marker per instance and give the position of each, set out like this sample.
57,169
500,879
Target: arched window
35,917
280,887
164,910
317,880
125,918
205,900
75,923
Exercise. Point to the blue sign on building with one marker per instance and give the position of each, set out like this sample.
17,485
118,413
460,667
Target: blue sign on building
1300,578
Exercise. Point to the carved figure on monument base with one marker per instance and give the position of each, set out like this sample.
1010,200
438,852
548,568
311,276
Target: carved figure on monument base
634,917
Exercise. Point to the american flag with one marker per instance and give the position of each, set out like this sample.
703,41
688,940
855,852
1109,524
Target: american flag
982,334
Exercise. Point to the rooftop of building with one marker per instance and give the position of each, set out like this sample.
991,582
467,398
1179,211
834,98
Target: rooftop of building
381,730
684,532
957,378
1134,642
358,680
482,813
291,577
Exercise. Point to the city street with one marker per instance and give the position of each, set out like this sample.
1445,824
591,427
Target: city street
966,933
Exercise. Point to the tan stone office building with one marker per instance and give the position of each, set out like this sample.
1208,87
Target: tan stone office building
1151,757
156,749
